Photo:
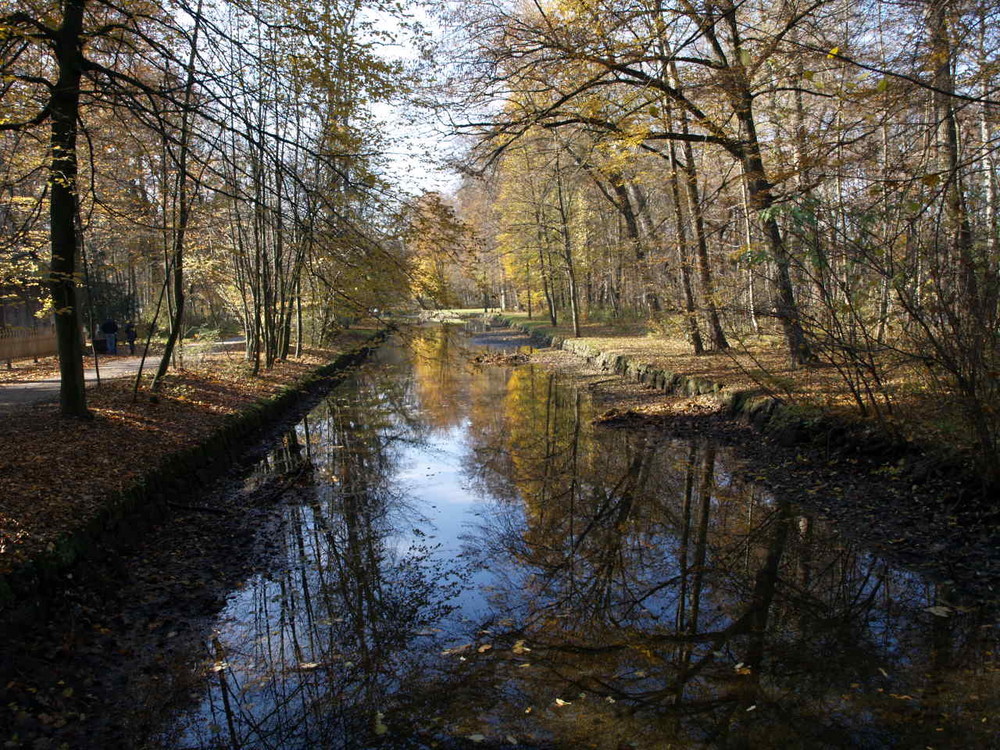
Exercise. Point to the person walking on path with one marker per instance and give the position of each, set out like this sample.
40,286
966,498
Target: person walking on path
110,330
130,336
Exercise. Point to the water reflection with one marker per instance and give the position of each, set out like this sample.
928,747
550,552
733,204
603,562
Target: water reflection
464,559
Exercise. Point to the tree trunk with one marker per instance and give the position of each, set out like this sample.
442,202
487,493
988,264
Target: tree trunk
715,332
574,294
184,200
690,319
948,148
64,109
762,201
786,308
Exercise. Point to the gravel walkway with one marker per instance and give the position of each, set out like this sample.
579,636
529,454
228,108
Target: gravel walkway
19,395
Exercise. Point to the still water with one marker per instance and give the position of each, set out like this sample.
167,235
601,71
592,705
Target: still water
466,561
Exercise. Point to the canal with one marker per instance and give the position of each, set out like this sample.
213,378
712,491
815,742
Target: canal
468,561
444,554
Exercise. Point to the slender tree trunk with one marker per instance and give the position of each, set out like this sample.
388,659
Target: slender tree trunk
298,316
547,289
940,23
645,221
574,295
715,332
991,292
748,239
184,201
690,316
527,283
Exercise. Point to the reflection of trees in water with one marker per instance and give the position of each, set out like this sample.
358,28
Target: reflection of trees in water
682,601
641,570
288,457
440,374
316,649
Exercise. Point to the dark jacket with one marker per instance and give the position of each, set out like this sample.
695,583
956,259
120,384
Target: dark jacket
109,326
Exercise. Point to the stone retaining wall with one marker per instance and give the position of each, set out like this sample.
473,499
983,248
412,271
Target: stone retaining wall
786,423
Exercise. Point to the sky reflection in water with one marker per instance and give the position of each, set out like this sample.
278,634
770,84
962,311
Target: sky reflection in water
465,560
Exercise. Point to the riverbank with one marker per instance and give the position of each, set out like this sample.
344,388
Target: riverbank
69,487
910,506
754,383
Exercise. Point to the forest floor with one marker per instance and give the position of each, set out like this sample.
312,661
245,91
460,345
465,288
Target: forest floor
55,474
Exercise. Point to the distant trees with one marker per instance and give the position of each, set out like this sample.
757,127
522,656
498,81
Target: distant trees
441,255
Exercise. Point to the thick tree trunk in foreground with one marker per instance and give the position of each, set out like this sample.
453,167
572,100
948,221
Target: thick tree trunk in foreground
64,109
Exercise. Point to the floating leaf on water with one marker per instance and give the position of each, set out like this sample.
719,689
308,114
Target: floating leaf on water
476,737
939,611
484,648
380,727
456,650
561,702
520,648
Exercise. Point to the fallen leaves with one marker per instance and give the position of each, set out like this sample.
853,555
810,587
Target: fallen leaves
56,475
501,359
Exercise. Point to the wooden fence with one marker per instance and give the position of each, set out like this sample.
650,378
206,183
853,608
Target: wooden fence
18,343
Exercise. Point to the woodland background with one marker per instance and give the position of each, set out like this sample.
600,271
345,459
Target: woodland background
818,178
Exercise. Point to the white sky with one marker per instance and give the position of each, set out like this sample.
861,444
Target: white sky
418,145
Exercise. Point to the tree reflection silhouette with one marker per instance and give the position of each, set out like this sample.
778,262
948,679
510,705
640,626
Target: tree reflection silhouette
641,580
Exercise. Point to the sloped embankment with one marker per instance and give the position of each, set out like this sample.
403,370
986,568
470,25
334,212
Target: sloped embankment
124,514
